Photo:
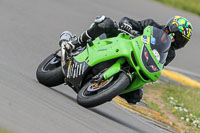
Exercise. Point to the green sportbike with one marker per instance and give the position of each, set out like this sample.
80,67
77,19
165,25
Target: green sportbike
108,67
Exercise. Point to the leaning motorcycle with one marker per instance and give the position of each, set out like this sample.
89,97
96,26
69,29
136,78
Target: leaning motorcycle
107,67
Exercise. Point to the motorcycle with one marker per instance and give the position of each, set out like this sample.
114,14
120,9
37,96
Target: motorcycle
107,67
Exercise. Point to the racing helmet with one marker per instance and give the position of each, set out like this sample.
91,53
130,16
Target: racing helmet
180,29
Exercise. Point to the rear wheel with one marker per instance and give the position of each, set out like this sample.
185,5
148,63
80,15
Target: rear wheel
93,93
49,72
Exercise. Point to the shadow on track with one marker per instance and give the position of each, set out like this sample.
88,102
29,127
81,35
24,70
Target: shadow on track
116,119
104,114
64,94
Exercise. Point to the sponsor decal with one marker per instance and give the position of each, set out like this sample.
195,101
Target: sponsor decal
172,37
145,39
156,54
153,40
101,50
138,45
75,70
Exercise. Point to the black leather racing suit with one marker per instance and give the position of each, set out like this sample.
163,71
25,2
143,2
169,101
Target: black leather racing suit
106,25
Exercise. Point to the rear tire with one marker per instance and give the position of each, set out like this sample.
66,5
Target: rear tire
113,88
49,72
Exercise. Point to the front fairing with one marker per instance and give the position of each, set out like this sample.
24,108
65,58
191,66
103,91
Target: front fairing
149,52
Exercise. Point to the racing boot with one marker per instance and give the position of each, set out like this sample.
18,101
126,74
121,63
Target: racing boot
134,96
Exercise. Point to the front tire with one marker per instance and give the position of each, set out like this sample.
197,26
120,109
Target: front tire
88,99
49,72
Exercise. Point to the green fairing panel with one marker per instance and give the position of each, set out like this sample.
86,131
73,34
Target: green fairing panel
106,49
109,49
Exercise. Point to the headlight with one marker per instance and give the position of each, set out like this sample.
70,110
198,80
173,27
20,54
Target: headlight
148,61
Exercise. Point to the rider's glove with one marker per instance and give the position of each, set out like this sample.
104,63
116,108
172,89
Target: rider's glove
65,39
65,36
68,45
126,26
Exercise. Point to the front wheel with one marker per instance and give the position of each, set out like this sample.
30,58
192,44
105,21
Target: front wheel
93,93
49,72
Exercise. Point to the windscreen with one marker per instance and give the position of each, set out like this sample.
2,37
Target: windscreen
160,44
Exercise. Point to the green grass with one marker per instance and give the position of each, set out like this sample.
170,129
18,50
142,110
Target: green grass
186,5
188,96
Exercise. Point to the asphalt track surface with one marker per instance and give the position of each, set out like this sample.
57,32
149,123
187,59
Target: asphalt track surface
29,32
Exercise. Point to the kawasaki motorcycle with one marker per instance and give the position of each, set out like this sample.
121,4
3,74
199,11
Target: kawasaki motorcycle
108,67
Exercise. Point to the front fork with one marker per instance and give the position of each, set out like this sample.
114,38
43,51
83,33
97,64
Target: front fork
63,57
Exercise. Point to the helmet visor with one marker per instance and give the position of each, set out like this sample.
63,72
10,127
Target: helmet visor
180,40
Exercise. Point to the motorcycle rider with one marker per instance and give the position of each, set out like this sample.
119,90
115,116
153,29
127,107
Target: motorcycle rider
178,28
